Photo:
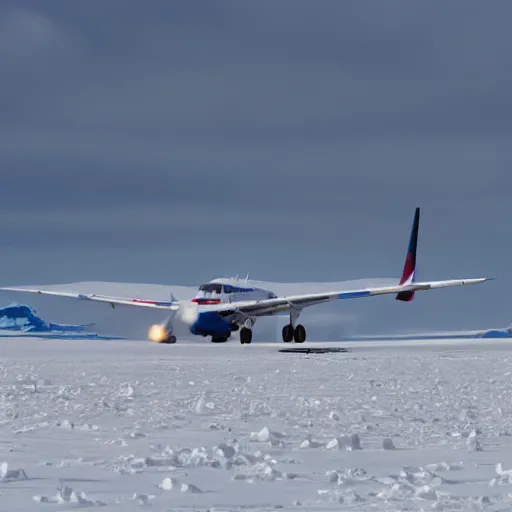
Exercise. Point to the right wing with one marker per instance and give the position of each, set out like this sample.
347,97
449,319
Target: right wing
172,305
404,290
283,304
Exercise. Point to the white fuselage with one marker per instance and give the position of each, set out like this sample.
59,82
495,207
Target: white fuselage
203,320
224,291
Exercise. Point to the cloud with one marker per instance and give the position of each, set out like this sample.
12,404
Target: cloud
26,34
32,49
275,129
240,74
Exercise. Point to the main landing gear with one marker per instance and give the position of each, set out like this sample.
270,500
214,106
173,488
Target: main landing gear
294,331
167,340
297,334
245,335
290,333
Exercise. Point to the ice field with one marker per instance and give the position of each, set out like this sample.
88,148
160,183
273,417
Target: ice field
132,425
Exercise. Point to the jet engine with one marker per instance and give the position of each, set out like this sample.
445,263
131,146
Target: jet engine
164,332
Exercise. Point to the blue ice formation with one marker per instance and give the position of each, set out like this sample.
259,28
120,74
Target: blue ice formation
459,335
20,317
497,333
24,319
489,333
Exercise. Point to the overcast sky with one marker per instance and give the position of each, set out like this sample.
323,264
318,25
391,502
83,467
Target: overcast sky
171,142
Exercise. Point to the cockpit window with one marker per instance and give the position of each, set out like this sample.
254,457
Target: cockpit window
217,288
211,288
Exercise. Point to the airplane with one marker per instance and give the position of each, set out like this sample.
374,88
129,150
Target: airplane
225,305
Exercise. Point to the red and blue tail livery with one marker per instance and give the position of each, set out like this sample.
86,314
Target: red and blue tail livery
408,274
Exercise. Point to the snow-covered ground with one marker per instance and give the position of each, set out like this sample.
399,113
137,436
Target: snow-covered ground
194,426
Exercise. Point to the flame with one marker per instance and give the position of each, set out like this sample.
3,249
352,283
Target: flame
157,333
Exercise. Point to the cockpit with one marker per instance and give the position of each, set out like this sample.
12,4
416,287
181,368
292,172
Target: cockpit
211,288
218,288
210,293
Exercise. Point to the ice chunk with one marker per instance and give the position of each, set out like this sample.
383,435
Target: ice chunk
168,484
7,474
472,443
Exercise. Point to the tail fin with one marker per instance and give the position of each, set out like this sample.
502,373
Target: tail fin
408,274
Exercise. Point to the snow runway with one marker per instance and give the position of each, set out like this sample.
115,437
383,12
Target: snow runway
387,426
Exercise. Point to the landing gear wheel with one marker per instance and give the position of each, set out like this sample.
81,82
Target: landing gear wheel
287,333
299,334
170,340
245,335
219,339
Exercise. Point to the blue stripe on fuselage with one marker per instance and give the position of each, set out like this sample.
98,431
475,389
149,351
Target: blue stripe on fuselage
229,288
353,295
